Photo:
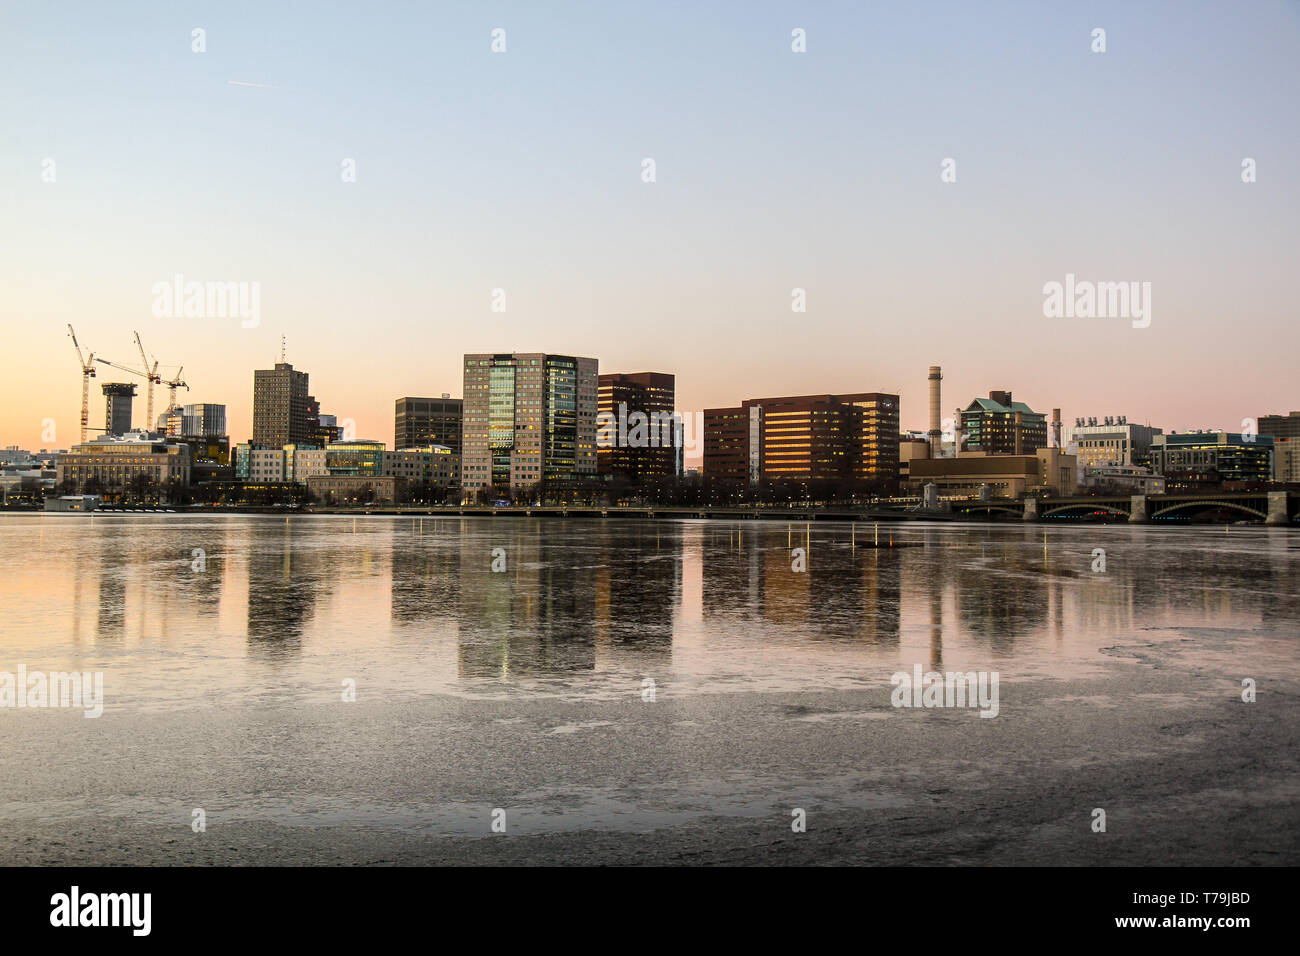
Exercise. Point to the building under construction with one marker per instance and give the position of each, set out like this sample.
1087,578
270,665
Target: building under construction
118,400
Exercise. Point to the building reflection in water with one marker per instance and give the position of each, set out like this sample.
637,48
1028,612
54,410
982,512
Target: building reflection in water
535,616
568,595
285,578
845,592
113,568
638,588
425,582
1001,594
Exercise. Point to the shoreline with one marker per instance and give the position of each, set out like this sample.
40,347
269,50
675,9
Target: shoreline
649,513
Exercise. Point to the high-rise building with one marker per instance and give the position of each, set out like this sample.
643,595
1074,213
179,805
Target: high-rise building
280,407
118,397
419,422
804,437
727,442
528,417
637,434
203,420
998,425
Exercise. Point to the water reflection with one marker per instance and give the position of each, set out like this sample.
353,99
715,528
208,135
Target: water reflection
286,569
418,600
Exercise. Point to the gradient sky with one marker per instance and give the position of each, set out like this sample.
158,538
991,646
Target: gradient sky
775,170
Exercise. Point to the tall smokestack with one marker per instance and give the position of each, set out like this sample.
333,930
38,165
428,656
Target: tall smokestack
936,433
1056,428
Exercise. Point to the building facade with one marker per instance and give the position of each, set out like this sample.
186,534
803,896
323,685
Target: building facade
727,441
115,461
1001,476
420,422
1286,459
356,489
1280,426
297,464
1115,441
999,425
203,420
281,412
805,438
1202,459
1133,479
528,417
270,466
638,436
436,465
118,398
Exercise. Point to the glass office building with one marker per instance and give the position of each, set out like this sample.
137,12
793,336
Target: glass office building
528,417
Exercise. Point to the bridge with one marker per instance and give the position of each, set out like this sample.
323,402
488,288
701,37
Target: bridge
1274,508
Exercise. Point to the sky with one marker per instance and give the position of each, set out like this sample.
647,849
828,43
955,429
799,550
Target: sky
126,158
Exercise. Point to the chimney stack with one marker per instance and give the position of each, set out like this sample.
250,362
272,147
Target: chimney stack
1056,428
936,432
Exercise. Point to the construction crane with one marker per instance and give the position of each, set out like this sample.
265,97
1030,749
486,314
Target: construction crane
87,363
150,373
174,383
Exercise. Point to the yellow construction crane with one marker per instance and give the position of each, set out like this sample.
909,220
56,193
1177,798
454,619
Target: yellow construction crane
150,373
174,383
87,373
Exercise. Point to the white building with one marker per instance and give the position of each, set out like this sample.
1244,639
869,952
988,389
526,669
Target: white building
1112,442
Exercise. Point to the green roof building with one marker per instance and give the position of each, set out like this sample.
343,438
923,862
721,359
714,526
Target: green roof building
998,425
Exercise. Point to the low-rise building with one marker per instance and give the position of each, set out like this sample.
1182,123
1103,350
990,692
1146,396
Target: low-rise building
115,461
1130,479
436,465
26,479
1000,476
356,489
1113,441
1230,456
915,446
71,503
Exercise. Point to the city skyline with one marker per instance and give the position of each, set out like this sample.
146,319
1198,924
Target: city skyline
775,171
694,451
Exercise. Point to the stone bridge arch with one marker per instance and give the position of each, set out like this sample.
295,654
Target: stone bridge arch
1207,504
